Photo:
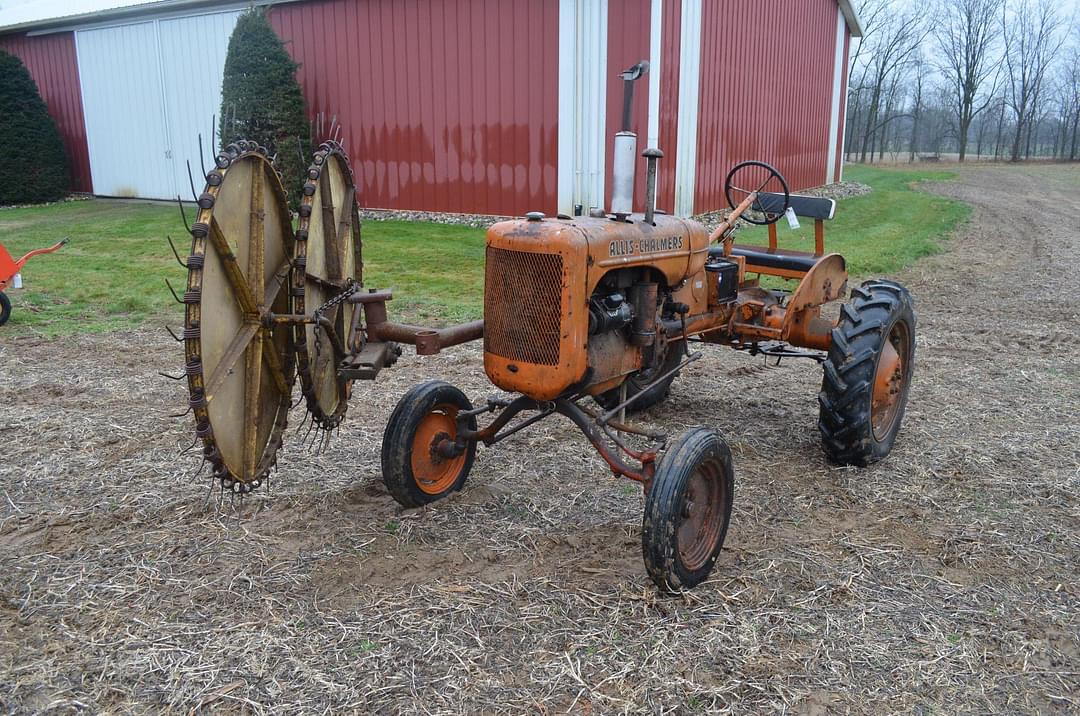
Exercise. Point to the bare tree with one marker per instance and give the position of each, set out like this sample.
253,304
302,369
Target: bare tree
966,36
871,12
889,51
918,101
1032,40
1071,104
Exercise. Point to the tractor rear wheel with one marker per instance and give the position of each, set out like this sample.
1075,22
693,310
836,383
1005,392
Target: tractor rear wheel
5,308
867,375
416,471
687,510
636,382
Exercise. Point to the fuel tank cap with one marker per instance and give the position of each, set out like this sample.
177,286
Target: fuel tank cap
535,216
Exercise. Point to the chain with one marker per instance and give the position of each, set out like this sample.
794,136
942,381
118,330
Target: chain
351,287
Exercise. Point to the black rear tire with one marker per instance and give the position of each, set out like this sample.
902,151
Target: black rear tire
637,381
413,472
5,308
879,312
687,510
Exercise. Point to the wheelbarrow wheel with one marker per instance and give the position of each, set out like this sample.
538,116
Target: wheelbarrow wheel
5,308
415,470
687,510
868,372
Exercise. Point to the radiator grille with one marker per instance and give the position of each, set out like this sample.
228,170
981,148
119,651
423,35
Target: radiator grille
523,305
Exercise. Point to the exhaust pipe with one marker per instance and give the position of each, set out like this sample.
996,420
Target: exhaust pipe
622,175
625,155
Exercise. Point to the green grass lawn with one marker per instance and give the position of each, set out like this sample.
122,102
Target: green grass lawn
112,274
882,232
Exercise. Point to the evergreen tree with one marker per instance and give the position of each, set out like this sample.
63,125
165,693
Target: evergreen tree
261,100
33,166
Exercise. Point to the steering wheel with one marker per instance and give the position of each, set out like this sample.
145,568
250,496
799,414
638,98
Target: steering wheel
751,174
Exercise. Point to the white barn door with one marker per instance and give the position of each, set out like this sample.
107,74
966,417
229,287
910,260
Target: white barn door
193,53
125,122
149,90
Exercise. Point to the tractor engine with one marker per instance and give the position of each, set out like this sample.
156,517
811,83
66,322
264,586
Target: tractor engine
579,303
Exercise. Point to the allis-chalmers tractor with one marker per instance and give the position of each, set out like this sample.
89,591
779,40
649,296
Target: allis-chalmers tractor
586,317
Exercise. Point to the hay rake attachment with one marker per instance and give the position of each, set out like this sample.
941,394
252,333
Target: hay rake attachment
265,304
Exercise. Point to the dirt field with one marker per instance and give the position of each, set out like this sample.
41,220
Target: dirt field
943,580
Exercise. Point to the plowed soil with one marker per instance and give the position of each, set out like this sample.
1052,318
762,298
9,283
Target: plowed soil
945,579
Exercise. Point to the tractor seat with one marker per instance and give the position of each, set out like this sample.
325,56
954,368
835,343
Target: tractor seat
781,262
784,260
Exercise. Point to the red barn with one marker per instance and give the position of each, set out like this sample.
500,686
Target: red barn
475,106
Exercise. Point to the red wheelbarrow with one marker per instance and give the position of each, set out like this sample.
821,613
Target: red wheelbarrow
9,268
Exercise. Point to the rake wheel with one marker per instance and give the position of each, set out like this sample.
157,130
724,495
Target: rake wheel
240,364
328,252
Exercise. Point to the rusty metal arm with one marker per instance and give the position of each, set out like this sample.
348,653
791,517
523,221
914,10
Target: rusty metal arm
428,341
721,231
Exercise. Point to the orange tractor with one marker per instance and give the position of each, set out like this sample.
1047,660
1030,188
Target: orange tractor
585,317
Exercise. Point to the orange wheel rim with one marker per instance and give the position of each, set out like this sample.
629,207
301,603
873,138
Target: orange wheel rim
435,474
890,381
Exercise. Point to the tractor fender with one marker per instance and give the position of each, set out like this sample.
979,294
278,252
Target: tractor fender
825,282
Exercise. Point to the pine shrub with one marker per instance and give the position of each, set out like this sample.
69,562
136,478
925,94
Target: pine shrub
261,100
33,165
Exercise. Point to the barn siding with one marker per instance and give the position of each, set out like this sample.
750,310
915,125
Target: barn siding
51,62
453,105
629,27
445,105
670,28
765,95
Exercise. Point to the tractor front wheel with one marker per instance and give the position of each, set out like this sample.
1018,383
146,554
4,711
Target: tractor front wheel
687,510
867,374
5,308
420,460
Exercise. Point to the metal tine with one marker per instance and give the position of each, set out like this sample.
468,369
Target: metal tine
173,291
176,338
315,439
163,374
183,214
202,162
181,415
311,426
209,491
175,252
188,448
191,180
213,134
